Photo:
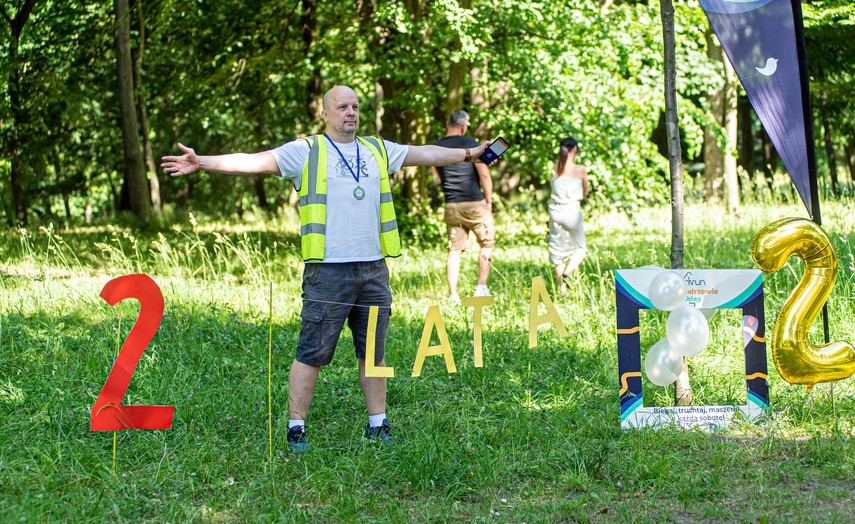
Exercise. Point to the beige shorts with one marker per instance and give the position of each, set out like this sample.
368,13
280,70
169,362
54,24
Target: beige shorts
463,217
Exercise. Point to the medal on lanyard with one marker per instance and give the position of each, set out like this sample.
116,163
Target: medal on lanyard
358,193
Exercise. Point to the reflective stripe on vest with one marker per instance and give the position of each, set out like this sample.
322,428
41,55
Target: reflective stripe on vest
313,199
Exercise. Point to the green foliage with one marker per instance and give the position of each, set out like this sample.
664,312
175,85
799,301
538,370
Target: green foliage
227,76
830,36
239,75
421,227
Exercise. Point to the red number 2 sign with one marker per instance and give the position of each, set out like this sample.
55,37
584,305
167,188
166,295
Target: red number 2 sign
108,414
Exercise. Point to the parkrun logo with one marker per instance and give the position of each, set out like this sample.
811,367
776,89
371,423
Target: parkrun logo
692,282
693,286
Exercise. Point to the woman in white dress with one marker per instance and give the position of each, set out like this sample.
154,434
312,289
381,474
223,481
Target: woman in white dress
566,238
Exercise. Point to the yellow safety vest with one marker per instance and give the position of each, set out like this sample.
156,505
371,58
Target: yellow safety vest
313,199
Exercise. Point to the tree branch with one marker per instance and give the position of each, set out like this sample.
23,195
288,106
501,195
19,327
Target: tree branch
22,16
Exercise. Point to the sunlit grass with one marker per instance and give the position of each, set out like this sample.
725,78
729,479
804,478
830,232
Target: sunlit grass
532,436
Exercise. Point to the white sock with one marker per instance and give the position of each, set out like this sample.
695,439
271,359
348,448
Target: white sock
375,421
295,422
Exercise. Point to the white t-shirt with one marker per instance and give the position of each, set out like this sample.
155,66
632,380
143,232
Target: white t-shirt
353,225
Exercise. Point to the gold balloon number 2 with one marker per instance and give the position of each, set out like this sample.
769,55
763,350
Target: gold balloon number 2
798,360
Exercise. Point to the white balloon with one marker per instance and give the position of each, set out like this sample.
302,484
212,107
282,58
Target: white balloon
687,330
667,290
662,365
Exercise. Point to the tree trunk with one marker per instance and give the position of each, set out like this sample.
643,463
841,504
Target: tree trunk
850,158
831,155
66,203
731,93
154,181
309,33
63,184
478,98
117,201
682,388
258,178
367,10
454,88
456,74
713,167
135,180
258,184
48,213
713,156
398,124
746,152
770,158
17,165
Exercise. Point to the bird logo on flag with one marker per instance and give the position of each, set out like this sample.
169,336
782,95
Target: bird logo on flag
770,67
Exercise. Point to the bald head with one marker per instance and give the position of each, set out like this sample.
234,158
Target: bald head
337,93
341,113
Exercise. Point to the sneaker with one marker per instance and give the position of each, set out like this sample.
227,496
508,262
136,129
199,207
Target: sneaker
383,432
297,441
482,291
454,300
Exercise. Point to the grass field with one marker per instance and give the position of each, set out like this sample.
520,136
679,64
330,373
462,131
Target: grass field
533,436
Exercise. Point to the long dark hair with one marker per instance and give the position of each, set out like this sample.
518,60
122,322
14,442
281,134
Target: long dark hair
567,145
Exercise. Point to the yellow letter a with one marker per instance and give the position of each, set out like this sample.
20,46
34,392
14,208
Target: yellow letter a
434,318
538,293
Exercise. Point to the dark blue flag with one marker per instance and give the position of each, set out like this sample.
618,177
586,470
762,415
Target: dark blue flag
759,38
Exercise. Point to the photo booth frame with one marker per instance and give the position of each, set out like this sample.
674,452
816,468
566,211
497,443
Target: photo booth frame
707,289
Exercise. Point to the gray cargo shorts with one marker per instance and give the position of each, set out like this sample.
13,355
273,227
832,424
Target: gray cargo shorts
333,293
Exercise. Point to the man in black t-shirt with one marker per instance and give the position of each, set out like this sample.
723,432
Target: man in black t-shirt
468,189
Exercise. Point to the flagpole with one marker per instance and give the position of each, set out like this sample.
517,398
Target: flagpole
810,144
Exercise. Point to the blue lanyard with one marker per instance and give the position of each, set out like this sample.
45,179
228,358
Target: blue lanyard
355,175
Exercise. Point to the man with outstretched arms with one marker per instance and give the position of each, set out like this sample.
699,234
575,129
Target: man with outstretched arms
347,228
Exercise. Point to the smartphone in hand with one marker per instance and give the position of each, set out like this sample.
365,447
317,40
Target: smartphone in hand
499,146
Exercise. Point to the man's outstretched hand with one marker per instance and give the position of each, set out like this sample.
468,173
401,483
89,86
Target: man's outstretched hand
181,165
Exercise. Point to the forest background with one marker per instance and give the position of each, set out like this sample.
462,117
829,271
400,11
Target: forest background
93,94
